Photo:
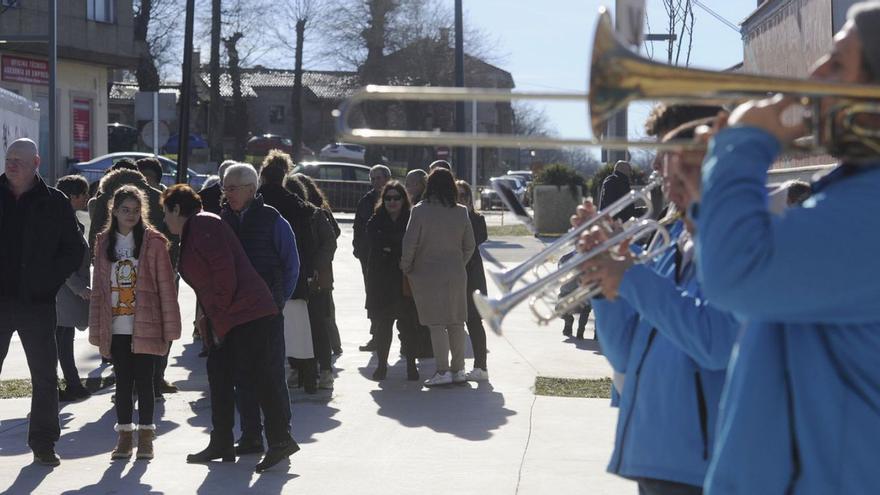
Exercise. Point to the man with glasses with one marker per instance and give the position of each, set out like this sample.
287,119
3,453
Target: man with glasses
379,176
270,245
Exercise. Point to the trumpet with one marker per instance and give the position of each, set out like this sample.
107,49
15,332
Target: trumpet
619,77
541,292
507,279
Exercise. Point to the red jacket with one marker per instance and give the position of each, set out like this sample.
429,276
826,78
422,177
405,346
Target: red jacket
215,265
157,314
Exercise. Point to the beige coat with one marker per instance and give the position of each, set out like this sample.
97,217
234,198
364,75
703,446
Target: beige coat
436,247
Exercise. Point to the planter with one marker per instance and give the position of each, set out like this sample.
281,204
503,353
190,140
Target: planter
554,206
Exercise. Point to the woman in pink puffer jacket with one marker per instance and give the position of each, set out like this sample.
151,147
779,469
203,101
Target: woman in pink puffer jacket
134,313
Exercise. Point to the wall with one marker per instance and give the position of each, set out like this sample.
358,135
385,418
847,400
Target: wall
785,38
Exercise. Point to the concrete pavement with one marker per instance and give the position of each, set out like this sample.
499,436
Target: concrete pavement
366,437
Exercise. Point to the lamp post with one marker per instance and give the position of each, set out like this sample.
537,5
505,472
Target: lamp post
185,97
459,83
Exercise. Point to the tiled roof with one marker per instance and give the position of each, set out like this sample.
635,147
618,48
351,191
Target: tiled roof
127,90
324,84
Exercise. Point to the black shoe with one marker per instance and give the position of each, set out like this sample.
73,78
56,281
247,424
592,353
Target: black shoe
158,396
246,447
166,388
380,373
46,457
212,453
412,373
275,455
566,331
369,346
337,351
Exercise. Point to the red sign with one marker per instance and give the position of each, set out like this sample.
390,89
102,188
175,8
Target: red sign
25,70
82,129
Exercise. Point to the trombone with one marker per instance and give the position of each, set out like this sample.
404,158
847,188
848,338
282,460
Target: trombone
619,77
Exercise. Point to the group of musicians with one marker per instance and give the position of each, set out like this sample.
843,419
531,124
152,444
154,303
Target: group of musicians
749,355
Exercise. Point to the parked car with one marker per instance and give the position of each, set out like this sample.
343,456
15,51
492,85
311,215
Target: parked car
527,176
121,137
345,152
94,169
260,145
489,199
195,142
344,184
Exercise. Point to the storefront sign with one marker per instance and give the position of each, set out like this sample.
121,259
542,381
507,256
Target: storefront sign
25,70
82,129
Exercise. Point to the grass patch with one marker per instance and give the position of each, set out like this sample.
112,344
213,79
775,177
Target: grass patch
517,229
569,387
20,388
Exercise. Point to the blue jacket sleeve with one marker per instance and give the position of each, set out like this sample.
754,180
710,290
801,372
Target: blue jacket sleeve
616,323
813,263
285,244
702,332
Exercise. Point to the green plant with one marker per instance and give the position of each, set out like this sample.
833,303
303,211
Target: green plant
560,175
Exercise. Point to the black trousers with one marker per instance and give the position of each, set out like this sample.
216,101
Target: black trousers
246,357
384,335
319,309
477,333
648,486
583,317
64,342
35,324
247,398
133,372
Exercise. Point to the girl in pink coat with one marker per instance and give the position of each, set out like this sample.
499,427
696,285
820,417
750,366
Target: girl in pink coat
134,313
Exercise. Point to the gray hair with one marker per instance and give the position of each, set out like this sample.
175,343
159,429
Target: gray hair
623,167
418,174
243,172
222,169
381,169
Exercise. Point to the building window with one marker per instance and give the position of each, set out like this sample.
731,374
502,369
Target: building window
101,10
276,114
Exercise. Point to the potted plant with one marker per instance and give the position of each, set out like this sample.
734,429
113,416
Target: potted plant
557,193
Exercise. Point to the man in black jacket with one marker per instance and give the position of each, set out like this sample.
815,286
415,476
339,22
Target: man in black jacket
40,246
616,186
379,176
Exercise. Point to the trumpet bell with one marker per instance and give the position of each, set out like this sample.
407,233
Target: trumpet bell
489,310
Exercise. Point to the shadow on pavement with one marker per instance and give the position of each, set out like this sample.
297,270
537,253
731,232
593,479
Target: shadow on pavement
113,480
310,419
227,477
28,479
467,411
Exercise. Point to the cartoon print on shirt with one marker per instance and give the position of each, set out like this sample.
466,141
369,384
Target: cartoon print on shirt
126,279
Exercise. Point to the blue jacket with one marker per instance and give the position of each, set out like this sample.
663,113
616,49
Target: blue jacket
801,411
673,349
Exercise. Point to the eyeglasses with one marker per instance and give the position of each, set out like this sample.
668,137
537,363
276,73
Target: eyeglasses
232,189
392,198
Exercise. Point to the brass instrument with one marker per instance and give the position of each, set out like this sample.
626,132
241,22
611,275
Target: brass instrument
619,77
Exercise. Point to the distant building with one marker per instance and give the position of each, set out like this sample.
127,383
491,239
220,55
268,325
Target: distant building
785,38
94,36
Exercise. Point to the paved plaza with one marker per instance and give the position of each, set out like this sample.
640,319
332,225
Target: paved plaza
363,438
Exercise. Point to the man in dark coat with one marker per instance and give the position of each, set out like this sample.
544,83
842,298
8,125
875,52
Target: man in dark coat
616,186
379,176
212,195
40,246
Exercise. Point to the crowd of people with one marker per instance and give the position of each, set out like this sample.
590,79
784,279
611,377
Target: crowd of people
257,248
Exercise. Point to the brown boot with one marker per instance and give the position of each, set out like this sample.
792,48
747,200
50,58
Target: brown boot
124,443
146,435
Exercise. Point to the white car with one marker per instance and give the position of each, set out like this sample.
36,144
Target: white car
345,152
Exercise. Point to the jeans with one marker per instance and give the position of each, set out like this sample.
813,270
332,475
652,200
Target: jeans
64,341
246,357
478,341
133,371
35,324
247,398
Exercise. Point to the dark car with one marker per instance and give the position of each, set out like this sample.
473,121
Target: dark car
121,137
489,199
344,184
94,169
261,145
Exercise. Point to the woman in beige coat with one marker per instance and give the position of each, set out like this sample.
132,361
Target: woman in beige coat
439,241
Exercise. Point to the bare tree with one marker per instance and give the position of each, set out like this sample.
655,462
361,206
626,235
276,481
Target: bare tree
238,106
297,15
156,32
679,22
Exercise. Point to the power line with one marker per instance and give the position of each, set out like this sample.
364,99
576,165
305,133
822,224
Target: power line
716,15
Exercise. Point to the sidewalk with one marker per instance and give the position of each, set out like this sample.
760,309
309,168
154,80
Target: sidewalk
367,437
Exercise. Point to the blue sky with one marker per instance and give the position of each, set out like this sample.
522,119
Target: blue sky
546,45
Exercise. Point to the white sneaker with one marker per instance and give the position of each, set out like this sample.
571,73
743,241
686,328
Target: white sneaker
459,376
439,378
478,375
325,381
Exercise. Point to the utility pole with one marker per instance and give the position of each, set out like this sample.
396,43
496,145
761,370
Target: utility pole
459,83
185,97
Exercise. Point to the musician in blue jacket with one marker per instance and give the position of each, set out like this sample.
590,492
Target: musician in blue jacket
672,346
801,412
